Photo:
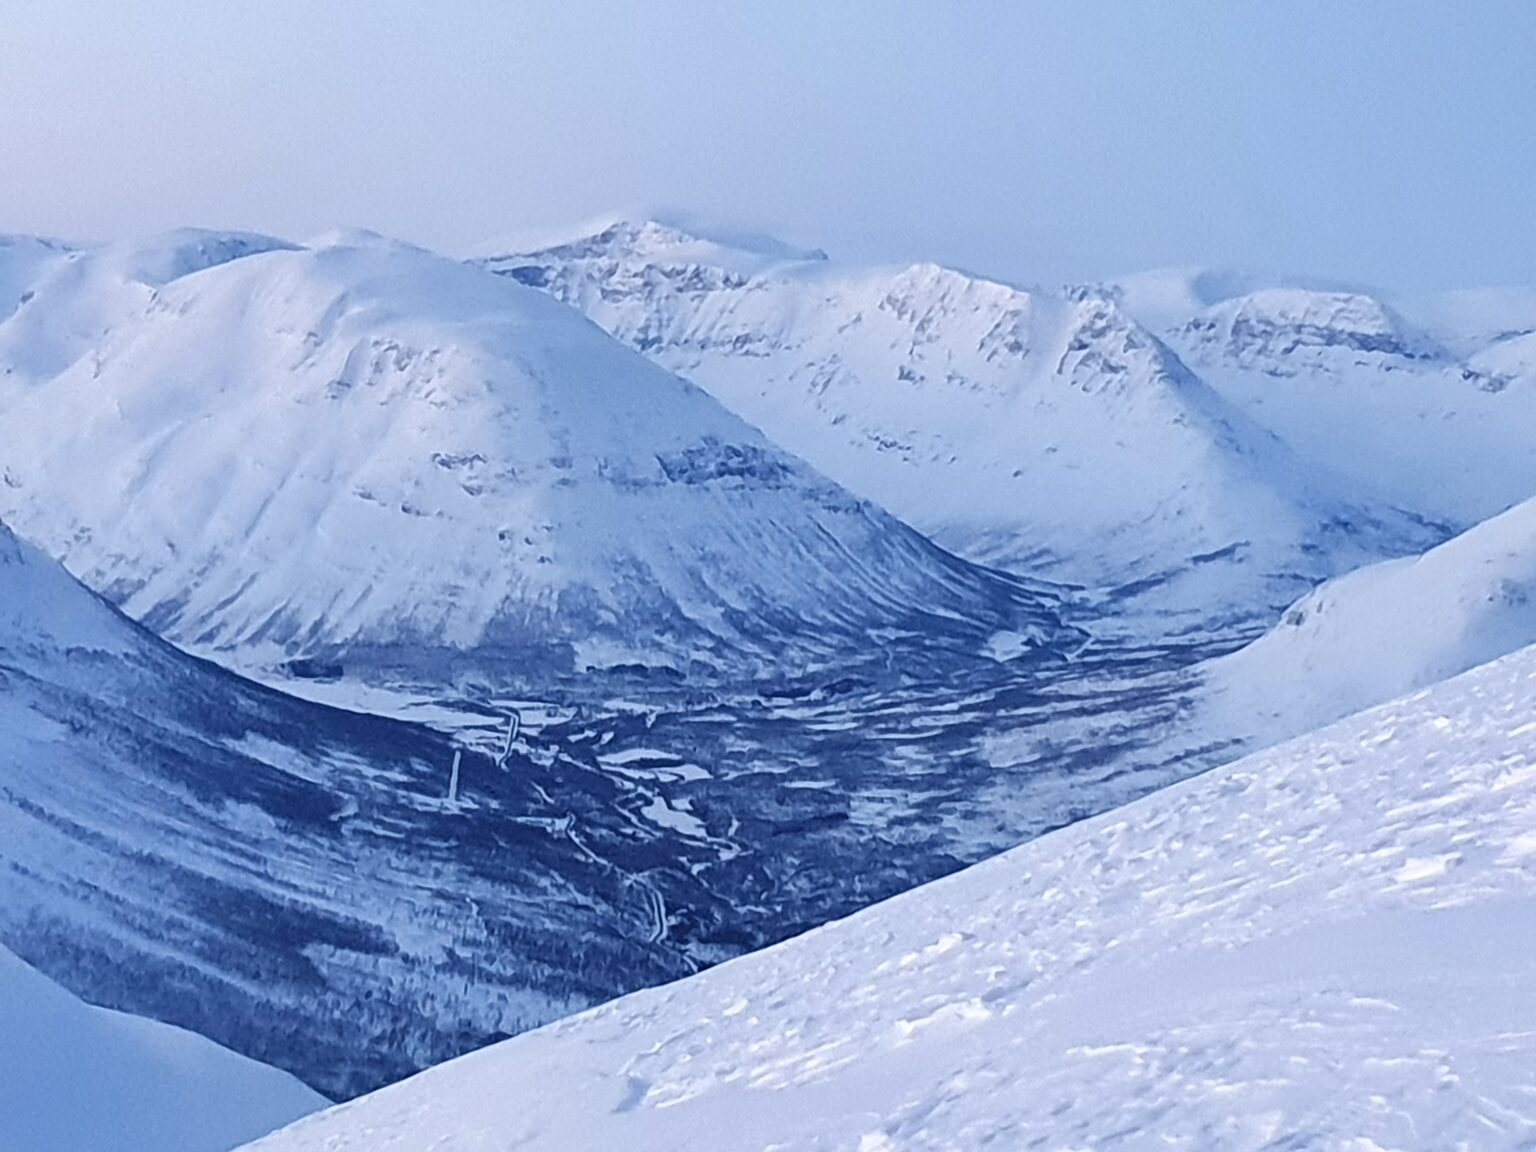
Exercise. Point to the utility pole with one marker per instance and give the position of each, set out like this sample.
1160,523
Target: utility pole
514,722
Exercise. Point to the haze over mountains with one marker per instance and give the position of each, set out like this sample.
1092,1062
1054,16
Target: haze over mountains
643,599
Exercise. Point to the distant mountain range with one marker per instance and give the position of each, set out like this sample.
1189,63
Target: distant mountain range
1190,472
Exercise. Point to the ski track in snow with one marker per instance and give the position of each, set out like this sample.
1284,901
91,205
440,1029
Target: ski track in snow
1329,945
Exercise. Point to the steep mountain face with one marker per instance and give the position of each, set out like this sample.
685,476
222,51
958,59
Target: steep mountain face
362,453
73,1076
1045,434
1435,414
1385,630
1339,934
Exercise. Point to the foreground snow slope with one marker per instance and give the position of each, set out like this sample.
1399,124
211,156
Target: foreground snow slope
1328,945
1044,433
1382,631
76,1077
364,452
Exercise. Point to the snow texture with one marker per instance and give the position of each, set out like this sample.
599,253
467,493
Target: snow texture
1329,945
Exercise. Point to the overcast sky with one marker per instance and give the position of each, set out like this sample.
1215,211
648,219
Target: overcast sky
1386,142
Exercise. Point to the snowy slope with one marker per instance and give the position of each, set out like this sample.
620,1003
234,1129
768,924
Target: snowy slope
74,1077
1043,433
365,452
1384,630
24,260
1329,945
1507,362
1436,415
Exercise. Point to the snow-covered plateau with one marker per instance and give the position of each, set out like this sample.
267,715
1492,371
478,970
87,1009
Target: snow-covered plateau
1329,945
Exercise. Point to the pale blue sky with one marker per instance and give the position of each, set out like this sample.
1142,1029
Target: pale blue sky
1386,142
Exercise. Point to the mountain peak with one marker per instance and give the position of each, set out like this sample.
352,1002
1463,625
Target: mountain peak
1286,330
161,259
659,241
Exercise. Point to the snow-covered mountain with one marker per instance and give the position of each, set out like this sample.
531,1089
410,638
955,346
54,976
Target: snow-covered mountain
1328,945
1384,630
1048,434
1287,332
358,451
1469,319
1430,406
73,1076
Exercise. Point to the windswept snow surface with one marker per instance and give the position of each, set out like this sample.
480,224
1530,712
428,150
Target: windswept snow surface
74,1077
1048,434
1382,631
360,451
1329,945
